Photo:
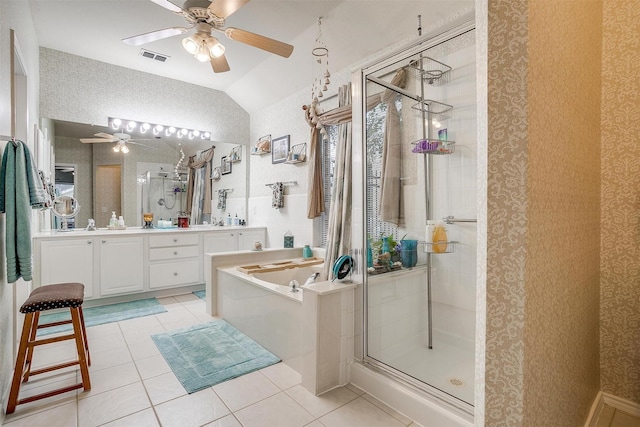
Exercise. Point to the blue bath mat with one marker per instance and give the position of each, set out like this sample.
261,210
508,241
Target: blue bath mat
207,354
104,314
199,294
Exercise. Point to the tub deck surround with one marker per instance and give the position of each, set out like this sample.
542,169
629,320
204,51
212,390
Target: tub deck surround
120,265
311,330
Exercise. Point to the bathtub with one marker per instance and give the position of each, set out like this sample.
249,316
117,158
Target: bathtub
262,307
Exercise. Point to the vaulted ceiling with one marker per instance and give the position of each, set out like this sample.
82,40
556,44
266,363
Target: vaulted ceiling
351,29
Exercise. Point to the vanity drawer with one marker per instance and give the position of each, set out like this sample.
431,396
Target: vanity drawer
175,252
173,274
173,240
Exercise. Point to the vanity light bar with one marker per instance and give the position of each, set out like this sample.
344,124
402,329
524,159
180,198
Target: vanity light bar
158,130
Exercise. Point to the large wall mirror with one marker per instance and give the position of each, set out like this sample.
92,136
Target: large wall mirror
143,178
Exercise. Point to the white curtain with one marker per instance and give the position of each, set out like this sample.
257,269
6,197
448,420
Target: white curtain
339,232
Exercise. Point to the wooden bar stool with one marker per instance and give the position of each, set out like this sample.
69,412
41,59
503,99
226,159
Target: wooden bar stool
61,295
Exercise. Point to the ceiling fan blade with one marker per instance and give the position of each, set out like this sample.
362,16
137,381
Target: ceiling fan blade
94,140
154,35
106,136
168,5
143,145
224,8
261,42
220,64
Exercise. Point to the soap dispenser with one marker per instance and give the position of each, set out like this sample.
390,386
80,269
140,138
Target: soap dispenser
113,222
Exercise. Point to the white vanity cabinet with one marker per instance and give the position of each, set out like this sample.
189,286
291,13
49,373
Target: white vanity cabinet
233,240
67,260
133,261
174,260
121,265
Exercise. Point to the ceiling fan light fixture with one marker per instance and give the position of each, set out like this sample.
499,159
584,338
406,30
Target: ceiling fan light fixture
124,149
203,52
190,44
116,148
216,49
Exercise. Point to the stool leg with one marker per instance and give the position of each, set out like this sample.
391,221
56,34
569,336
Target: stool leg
84,335
32,338
17,373
80,346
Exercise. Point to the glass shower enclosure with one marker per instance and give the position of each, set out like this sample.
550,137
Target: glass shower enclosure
419,131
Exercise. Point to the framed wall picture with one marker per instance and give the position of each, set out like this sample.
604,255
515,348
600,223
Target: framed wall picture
225,165
279,149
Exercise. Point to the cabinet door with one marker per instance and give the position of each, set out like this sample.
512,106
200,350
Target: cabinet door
121,265
247,237
67,261
222,241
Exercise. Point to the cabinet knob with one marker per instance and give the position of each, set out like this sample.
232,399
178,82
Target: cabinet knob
175,240
89,242
104,241
232,234
240,234
175,274
175,252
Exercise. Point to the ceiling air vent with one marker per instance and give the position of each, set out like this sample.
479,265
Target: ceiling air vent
154,55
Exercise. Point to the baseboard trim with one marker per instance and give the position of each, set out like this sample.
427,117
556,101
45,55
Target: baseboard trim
616,402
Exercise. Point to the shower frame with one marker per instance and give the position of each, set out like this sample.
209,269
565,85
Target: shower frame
359,83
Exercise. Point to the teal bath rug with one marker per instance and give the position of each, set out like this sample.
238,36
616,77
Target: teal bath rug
104,314
199,294
204,355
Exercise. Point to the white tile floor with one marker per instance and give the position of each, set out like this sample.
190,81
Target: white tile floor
132,385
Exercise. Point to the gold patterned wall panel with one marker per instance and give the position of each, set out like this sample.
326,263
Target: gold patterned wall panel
561,355
506,211
620,230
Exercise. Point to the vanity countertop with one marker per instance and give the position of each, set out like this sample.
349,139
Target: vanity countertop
77,232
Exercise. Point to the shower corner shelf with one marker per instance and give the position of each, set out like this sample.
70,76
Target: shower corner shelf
433,146
439,248
432,71
435,109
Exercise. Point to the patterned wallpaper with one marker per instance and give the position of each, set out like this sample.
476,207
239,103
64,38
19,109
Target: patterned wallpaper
83,90
506,212
543,194
562,277
620,229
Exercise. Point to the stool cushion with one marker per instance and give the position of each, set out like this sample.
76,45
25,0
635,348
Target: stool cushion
59,295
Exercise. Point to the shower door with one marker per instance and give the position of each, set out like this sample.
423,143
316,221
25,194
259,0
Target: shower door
420,150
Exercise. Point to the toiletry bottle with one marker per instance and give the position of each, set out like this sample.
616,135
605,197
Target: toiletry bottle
440,238
121,221
113,222
229,219
236,220
307,252
428,235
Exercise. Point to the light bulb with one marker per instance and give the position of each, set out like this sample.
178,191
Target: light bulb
183,132
131,126
157,129
203,52
144,127
206,135
115,123
171,130
190,45
215,48
196,133
124,149
190,135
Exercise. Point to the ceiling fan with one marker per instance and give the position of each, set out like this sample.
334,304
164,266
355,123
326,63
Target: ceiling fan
206,16
121,140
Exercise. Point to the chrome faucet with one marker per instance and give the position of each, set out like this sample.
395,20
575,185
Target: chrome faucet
311,279
294,286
